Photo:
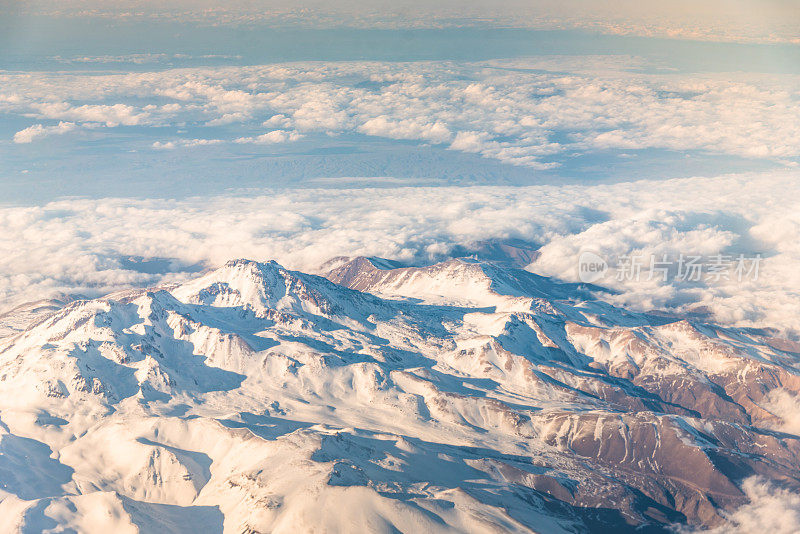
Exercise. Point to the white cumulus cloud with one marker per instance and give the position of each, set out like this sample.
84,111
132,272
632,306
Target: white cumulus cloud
37,131
770,509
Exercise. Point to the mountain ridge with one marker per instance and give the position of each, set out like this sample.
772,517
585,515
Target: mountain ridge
465,396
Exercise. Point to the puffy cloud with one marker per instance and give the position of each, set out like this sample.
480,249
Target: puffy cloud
383,126
770,509
110,115
470,141
269,138
169,145
38,131
682,217
786,406
79,245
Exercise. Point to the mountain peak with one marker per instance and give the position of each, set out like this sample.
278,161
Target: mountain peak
264,286
468,280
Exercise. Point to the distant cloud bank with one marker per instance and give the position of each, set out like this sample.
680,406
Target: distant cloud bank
775,21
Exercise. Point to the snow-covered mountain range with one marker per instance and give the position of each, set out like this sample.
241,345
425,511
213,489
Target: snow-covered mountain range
466,396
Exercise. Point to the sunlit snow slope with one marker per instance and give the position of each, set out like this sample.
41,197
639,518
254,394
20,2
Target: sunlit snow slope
460,397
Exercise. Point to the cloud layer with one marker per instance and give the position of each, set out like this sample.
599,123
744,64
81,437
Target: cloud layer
84,245
537,113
